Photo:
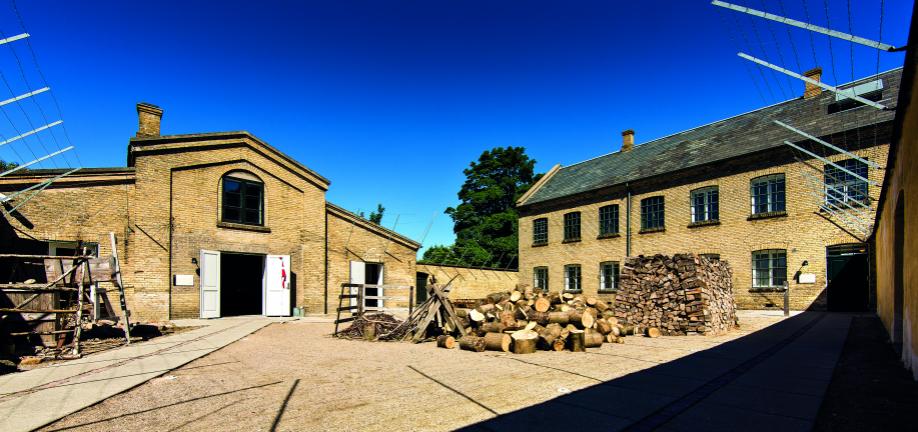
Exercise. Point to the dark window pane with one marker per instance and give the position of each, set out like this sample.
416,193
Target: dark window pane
231,214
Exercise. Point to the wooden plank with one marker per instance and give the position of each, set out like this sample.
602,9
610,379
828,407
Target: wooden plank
23,287
44,256
116,271
344,320
346,308
50,311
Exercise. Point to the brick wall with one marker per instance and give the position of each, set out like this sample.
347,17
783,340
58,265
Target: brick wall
804,233
351,238
472,283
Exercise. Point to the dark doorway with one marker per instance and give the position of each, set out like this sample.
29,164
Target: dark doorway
240,284
846,271
373,275
420,294
899,272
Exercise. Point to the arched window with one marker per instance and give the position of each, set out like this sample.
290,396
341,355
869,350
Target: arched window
243,199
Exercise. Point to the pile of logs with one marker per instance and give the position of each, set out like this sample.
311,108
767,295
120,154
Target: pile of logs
522,321
677,295
371,327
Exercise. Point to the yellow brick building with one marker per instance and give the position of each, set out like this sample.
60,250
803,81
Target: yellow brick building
731,189
210,225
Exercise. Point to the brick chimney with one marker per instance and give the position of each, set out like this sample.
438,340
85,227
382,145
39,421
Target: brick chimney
627,140
149,116
812,90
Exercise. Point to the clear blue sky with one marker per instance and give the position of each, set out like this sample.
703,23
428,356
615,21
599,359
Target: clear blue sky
392,99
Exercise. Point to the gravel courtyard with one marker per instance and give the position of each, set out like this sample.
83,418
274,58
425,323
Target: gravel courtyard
294,376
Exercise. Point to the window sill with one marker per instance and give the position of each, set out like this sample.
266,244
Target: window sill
540,244
768,215
243,227
574,291
704,223
652,230
574,240
608,236
767,290
606,291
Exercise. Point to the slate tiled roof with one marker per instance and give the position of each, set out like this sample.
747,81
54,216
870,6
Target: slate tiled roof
733,137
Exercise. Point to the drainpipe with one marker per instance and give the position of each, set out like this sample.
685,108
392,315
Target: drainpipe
628,222
325,302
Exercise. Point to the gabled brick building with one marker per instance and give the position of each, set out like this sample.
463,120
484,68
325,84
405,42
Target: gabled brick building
730,189
210,225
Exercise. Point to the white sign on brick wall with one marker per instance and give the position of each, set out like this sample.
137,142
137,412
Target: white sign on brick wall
807,278
184,280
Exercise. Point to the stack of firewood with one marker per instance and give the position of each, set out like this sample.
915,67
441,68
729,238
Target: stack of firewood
678,295
523,320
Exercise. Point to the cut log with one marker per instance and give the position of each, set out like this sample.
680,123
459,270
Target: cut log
603,326
507,318
486,308
558,317
652,332
530,325
564,307
542,304
592,339
612,320
493,327
446,341
582,318
472,343
497,342
612,338
558,344
576,340
524,341
567,296
515,296
539,317
600,305
476,316
462,312
554,297
627,330
616,330
498,297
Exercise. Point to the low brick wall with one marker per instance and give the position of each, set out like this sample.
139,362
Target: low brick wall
471,283
679,294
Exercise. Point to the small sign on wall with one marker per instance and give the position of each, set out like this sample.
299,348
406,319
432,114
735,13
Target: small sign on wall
184,280
807,278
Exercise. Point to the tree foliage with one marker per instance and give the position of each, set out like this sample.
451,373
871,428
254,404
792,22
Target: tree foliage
485,221
375,216
4,165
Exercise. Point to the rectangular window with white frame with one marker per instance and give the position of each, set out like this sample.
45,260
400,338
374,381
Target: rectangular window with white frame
769,268
572,226
842,186
540,279
652,214
768,195
540,231
608,220
608,276
572,278
705,205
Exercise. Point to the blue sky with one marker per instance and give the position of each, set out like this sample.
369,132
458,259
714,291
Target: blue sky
392,99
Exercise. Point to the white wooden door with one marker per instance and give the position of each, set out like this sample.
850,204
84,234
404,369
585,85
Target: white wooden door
277,285
210,283
358,276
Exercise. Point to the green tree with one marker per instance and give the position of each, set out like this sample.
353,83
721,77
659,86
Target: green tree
4,165
375,216
486,221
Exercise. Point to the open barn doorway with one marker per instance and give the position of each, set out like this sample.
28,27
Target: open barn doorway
847,274
241,284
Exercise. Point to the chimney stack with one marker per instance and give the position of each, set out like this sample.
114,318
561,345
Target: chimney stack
627,140
812,90
149,116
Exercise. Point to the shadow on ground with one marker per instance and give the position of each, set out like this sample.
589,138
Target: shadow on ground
772,379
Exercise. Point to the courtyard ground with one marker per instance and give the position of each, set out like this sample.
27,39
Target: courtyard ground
772,373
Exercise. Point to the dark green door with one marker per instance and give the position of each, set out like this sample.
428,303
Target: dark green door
846,272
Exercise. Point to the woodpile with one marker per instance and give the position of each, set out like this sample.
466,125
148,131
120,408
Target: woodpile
662,295
523,321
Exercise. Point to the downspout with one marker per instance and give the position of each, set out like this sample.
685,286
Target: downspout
628,221
325,303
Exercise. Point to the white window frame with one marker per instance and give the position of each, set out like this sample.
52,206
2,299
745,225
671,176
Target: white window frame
602,276
705,193
535,278
770,204
578,287
772,255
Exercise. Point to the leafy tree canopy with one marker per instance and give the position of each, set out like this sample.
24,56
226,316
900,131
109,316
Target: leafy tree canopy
4,165
375,216
485,221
